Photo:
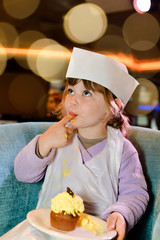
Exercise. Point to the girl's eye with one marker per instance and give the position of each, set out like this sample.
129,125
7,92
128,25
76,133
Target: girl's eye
87,93
70,91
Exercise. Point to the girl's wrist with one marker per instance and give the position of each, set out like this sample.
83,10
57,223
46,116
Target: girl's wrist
37,151
42,150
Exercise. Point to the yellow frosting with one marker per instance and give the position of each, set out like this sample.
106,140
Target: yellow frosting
65,202
90,224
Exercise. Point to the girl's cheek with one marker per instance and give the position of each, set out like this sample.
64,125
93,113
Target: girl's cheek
107,116
66,105
67,100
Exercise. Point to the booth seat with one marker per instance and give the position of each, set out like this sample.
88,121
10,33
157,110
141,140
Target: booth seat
17,198
156,229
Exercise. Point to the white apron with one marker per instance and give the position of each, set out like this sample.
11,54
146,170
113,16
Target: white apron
96,181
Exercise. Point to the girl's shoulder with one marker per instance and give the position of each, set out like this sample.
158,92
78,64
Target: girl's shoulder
128,148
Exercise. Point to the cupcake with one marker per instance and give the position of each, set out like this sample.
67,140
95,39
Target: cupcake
66,209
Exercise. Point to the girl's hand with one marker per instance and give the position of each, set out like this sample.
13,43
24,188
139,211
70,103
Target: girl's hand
58,135
117,222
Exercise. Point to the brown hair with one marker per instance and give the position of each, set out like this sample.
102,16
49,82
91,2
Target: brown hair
117,118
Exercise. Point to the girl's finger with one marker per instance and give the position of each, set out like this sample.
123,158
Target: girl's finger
66,119
69,132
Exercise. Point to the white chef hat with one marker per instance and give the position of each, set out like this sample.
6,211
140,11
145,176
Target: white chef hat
103,70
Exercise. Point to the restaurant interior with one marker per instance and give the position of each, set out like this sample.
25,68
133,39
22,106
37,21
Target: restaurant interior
36,41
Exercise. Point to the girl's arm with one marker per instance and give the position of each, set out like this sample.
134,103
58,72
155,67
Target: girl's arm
28,167
133,196
31,167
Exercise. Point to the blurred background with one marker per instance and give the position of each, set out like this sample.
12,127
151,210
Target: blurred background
36,41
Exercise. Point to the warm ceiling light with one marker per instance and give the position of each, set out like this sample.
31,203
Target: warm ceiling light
142,6
131,62
52,62
144,99
20,9
85,23
141,31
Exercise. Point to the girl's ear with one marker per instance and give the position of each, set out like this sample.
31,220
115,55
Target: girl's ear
118,102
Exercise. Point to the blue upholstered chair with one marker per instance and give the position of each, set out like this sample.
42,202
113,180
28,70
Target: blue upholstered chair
156,228
17,199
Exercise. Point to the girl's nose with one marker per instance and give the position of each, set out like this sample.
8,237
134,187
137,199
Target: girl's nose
74,99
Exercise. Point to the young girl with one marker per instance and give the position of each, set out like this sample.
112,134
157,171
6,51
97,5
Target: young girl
87,150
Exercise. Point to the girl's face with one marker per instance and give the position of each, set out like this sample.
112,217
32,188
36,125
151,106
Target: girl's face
89,109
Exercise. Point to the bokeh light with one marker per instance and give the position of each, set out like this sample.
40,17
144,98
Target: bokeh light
20,9
142,6
25,40
52,62
3,59
25,92
139,37
144,99
8,35
34,51
85,23
150,56
41,106
112,43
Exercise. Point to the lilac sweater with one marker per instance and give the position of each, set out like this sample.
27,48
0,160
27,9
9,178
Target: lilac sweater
132,197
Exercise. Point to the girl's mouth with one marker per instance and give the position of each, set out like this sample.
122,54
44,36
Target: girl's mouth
73,115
